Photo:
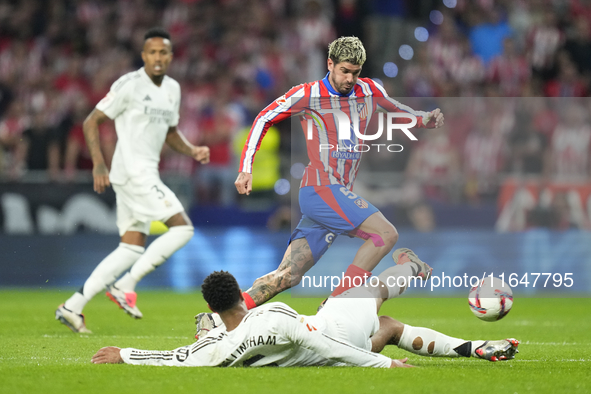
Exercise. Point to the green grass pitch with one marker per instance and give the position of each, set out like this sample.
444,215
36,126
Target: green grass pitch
39,355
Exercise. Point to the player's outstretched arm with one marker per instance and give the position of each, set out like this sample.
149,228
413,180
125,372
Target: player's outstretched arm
433,119
244,183
430,120
108,355
280,109
194,355
177,141
100,172
401,363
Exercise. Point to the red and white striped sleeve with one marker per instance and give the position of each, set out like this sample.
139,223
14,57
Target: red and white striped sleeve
388,104
280,109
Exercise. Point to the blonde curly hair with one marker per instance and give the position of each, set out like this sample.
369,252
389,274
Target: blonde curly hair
347,49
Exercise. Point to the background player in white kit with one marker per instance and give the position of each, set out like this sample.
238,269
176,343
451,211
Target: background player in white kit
145,107
347,331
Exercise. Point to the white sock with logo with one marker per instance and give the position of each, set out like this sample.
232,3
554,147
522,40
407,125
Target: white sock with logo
108,270
157,253
427,342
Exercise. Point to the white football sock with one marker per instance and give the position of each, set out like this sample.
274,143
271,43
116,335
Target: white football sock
395,276
76,302
157,253
428,342
108,270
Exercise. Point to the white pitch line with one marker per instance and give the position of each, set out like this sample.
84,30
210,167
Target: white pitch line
119,336
461,359
42,358
546,360
554,343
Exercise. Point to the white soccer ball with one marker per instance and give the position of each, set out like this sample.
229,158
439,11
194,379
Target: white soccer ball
491,300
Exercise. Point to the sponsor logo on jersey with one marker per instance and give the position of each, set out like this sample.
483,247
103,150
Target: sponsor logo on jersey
147,98
345,155
361,203
159,115
157,111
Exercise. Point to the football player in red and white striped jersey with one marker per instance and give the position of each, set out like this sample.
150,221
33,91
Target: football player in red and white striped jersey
327,201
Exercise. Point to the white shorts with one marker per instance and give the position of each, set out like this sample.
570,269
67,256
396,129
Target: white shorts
352,318
135,210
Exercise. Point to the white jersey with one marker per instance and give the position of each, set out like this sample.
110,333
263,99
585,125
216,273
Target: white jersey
143,113
270,335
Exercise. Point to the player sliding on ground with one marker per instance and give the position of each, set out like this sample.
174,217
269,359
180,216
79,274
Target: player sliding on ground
347,331
329,206
145,107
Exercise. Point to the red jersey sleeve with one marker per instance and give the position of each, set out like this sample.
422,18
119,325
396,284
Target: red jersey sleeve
388,104
280,109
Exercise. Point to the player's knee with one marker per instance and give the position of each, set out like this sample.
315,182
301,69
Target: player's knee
387,322
190,231
394,328
186,231
179,220
390,237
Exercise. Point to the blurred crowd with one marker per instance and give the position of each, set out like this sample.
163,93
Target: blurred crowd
507,48
58,58
487,144
488,139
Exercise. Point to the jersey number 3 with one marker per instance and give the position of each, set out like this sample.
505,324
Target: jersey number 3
158,191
